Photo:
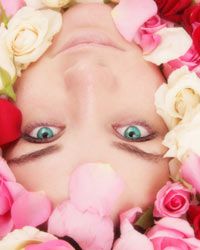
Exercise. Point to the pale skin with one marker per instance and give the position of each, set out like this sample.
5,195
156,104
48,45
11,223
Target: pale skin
88,96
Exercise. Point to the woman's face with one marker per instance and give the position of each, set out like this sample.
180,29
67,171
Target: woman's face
97,104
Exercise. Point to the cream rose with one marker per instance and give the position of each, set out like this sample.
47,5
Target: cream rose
7,67
39,4
30,33
55,3
175,99
185,137
20,238
170,48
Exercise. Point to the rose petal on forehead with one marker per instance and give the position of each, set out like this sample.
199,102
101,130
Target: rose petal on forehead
126,18
95,187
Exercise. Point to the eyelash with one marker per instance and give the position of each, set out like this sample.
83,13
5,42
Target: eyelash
29,129
151,136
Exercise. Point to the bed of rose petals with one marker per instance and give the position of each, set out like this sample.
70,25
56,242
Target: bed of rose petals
168,31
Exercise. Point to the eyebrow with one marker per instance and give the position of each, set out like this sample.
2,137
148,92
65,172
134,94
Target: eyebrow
139,152
34,155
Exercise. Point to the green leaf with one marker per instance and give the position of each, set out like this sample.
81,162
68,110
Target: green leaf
146,220
7,84
3,18
5,76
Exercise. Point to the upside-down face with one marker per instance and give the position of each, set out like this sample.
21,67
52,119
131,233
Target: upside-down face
90,103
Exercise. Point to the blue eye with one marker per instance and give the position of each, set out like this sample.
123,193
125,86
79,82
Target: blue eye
43,134
134,132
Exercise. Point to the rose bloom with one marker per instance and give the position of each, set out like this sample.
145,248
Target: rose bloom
193,216
178,97
146,37
26,24
173,233
179,139
172,10
191,18
172,200
191,59
20,238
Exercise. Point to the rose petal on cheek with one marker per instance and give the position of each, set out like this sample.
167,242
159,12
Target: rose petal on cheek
126,18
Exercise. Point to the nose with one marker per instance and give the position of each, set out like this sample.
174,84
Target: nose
89,83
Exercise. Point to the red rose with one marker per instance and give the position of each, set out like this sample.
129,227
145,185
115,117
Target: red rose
193,216
172,10
191,18
10,122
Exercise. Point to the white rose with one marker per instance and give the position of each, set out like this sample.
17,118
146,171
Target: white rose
55,3
6,58
36,4
30,33
175,99
39,4
185,137
20,238
175,42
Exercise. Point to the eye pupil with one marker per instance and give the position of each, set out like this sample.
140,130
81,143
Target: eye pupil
132,132
44,133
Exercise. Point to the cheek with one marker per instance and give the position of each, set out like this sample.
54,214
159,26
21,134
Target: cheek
142,179
49,174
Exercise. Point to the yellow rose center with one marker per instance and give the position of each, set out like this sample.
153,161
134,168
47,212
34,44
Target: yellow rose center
24,41
185,100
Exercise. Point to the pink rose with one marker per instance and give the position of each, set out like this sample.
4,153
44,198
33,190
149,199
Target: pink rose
172,200
190,171
146,36
11,7
51,245
94,189
191,59
19,207
126,18
131,239
173,233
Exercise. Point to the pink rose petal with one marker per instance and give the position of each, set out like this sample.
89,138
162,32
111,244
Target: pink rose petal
12,6
126,18
130,239
89,230
6,225
95,187
5,171
30,209
190,171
